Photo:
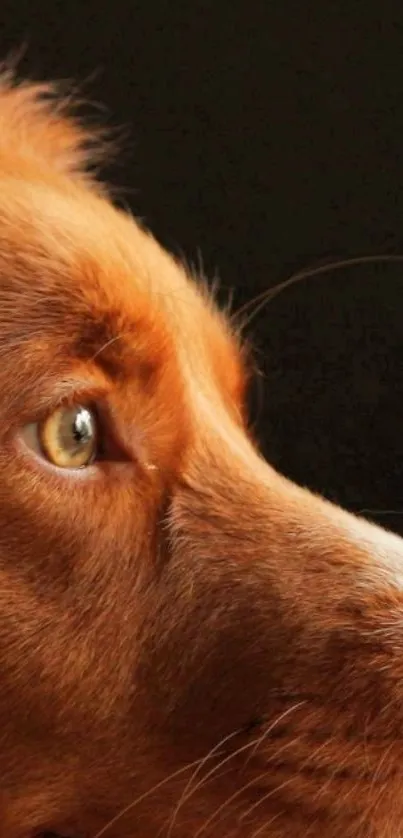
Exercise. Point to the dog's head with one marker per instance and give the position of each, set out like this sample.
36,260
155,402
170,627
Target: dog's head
190,645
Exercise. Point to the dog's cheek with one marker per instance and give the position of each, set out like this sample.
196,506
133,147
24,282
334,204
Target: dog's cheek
69,609
211,654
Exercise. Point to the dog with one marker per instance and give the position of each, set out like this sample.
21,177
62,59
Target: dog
190,644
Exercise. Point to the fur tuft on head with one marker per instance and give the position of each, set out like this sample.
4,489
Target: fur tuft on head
41,129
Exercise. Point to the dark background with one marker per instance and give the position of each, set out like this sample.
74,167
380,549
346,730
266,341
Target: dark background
267,136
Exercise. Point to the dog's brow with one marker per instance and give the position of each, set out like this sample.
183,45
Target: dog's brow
76,386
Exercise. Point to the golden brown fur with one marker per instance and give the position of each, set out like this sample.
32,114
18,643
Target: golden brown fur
190,645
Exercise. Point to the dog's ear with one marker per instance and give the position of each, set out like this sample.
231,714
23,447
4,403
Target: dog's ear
40,128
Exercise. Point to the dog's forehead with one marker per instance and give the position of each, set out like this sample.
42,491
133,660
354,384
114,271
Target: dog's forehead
76,268
85,255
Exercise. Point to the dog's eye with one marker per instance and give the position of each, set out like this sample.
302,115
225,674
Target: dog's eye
68,438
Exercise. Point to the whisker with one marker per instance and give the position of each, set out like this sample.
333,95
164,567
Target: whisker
231,756
270,729
144,796
167,779
227,802
309,273
199,768
245,787
376,776
213,771
284,784
255,744
338,767
106,345
266,825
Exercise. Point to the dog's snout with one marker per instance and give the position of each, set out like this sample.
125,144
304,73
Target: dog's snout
315,590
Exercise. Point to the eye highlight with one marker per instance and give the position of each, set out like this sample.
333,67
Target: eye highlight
67,438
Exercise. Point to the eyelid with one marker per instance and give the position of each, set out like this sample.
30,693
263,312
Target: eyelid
70,393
